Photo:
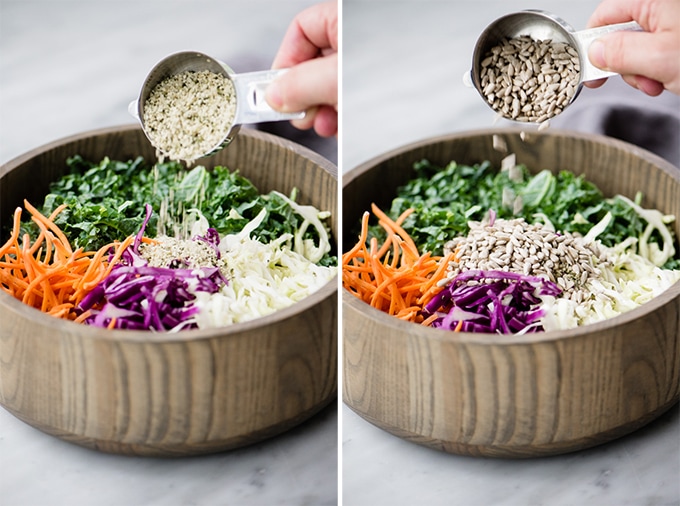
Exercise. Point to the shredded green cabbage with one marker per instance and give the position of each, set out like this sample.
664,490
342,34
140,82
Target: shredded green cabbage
263,278
627,282
655,221
312,216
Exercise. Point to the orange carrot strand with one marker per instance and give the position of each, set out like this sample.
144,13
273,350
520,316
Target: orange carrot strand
393,276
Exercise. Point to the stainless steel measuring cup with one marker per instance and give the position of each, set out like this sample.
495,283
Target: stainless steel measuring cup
542,25
251,106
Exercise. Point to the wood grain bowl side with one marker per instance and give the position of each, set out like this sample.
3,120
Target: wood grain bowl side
187,393
514,396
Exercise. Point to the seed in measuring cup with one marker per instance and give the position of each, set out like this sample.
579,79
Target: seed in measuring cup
530,80
187,115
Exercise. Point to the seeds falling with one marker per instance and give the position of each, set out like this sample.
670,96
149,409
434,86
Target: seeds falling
187,115
530,80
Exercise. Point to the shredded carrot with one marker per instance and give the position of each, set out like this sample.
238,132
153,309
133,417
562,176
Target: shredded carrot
49,274
393,277
428,321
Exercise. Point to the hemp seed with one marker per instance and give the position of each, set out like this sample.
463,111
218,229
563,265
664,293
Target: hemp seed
187,115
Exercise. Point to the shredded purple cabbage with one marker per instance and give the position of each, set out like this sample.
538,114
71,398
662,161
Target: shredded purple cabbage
503,302
212,239
141,297
149,298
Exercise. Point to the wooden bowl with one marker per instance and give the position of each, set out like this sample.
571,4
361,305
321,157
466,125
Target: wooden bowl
191,392
506,395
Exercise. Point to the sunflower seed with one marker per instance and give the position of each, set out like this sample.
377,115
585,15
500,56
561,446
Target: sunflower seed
531,76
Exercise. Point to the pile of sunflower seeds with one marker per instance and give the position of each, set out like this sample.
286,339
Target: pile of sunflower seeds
530,80
530,249
189,114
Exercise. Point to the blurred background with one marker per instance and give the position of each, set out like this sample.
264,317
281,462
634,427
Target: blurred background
67,66
403,67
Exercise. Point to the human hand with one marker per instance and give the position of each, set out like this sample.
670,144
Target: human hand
649,60
310,50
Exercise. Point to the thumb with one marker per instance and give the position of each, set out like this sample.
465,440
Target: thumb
633,53
310,83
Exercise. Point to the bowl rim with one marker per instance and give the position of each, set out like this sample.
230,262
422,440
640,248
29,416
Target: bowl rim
397,326
393,324
61,326
313,156
351,174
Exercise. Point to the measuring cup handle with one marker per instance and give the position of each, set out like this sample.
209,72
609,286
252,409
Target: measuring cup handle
251,106
585,38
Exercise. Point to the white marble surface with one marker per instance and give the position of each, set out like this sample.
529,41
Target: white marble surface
403,63
296,468
70,66
641,469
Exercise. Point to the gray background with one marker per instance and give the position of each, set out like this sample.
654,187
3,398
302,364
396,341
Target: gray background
403,66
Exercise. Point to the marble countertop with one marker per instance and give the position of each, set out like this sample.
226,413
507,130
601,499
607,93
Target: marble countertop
381,469
403,63
296,468
71,66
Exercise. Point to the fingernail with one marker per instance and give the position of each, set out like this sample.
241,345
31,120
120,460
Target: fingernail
273,96
596,54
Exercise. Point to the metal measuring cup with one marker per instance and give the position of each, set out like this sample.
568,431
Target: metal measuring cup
251,106
542,25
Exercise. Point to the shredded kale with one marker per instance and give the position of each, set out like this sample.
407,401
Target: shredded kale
105,201
446,198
